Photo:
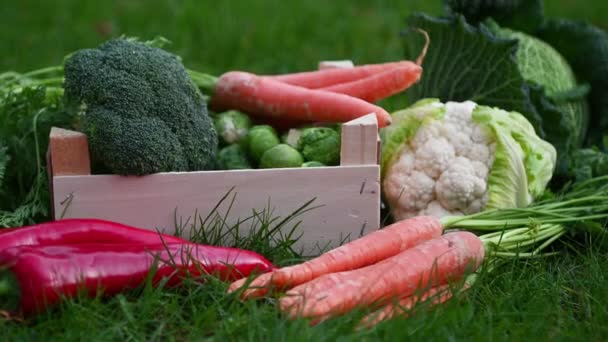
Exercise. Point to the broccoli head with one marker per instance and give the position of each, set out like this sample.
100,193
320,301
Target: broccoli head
142,113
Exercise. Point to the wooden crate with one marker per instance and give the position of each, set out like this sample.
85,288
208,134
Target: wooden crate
347,196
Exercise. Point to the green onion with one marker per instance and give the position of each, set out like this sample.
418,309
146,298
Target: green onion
527,232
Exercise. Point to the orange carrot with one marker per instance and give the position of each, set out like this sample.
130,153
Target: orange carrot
364,251
428,264
404,306
328,77
270,98
382,85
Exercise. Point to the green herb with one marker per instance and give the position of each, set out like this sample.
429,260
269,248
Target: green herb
28,110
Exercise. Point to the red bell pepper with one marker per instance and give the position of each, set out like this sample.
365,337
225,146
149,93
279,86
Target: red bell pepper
45,274
77,231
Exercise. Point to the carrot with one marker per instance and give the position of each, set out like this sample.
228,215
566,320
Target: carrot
329,77
382,85
267,97
404,306
431,263
364,251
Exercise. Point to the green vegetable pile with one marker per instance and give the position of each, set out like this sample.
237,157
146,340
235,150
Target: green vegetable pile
247,145
143,112
508,54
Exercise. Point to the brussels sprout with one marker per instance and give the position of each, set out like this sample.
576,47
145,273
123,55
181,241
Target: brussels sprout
281,155
320,144
233,157
291,137
260,139
313,164
232,126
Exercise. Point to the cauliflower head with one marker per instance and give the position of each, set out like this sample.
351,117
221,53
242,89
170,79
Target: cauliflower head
456,158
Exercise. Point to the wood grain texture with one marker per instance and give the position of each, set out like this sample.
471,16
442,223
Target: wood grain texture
349,197
346,198
360,141
68,153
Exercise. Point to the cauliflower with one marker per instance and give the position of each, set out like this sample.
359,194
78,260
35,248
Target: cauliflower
460,158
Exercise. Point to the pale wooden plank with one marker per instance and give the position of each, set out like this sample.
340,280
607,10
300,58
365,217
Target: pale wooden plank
68,153
350,199
336,64
360,141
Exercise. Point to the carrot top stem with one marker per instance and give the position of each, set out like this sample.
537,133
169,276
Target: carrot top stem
527,232
425,48
573,210
205,82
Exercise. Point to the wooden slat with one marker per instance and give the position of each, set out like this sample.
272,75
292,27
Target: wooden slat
349,196
335,64
360,141
68,153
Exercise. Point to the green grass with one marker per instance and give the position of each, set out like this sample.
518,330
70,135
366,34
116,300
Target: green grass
562,298
558,298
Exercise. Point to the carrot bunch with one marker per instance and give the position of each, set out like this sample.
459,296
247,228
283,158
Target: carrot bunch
388,265
394,268
326,95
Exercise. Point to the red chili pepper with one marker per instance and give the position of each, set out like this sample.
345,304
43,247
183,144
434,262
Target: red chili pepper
77,231
45,274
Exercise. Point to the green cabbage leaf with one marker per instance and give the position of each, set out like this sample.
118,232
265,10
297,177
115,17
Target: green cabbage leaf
496,67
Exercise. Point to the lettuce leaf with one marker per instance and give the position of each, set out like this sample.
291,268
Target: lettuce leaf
466,62
520,15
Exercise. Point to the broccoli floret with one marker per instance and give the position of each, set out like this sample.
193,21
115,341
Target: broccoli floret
143,114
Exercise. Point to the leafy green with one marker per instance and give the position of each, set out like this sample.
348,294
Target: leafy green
585,47
4,159
466,62
542,66
588,163
523,163
522,15
26,117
